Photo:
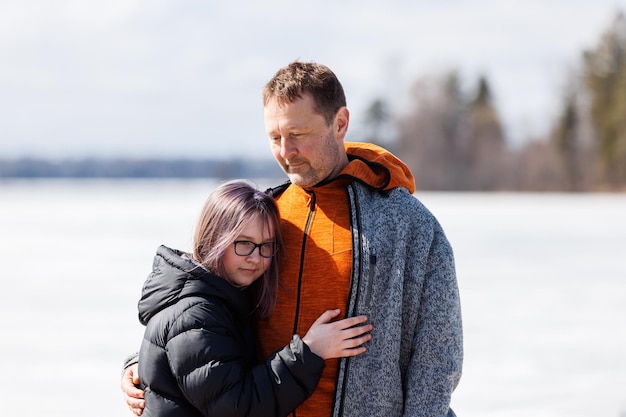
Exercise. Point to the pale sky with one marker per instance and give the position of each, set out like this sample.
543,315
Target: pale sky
156,78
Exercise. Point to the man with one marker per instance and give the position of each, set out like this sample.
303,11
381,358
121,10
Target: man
356,239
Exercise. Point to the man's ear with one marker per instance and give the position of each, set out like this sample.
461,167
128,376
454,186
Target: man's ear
342,120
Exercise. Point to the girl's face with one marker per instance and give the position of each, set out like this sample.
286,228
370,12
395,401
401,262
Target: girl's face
242,269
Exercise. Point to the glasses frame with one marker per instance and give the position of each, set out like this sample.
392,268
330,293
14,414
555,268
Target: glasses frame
239,252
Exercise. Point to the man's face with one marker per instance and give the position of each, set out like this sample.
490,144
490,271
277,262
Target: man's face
304,145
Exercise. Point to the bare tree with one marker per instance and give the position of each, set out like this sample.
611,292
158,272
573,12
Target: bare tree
452,143
429,131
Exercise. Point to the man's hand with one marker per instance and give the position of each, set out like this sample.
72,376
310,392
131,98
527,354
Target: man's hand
133,395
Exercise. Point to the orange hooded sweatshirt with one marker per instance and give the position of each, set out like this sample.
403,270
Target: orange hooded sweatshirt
316,270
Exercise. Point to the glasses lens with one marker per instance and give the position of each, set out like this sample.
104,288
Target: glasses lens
267,249
244,247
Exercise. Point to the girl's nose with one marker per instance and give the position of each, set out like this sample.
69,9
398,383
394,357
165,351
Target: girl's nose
255,256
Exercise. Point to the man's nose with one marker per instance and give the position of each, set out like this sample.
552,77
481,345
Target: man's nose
287,148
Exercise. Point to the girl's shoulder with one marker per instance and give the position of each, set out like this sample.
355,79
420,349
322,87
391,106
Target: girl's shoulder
196,312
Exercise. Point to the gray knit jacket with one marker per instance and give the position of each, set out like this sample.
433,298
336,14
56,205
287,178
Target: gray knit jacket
404,280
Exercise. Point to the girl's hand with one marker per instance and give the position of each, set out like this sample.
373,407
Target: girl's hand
338,339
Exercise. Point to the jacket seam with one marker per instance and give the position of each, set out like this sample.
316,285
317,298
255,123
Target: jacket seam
356,273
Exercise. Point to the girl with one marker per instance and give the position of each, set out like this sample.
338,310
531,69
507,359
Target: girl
198,355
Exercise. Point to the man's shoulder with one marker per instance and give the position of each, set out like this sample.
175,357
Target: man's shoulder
397,203
391,197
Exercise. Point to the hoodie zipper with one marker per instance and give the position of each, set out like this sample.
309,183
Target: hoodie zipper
305,236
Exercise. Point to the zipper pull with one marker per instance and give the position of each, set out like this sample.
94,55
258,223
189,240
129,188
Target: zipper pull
311,201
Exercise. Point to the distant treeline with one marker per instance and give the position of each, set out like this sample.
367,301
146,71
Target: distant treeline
139,168
450,139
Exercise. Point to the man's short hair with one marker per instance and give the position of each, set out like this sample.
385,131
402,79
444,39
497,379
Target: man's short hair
297,79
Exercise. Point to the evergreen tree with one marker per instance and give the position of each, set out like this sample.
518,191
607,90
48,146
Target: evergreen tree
486,150
605,75
376,117
570,141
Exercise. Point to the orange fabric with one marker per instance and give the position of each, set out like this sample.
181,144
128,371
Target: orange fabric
322,264
325,277
401,176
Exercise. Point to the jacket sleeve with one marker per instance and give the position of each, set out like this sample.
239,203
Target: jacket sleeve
130,360
208,364
435,366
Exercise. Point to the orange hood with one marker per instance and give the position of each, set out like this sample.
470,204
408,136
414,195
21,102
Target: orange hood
376,167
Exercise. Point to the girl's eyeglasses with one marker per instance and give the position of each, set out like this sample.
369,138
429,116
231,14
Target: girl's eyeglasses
245,248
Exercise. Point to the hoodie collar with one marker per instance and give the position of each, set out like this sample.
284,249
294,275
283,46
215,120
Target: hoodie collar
376,167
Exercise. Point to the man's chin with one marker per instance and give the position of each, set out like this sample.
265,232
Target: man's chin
300,181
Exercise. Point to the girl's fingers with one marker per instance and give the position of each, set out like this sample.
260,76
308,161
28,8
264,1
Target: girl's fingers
327,316
354,351
357,341
352,321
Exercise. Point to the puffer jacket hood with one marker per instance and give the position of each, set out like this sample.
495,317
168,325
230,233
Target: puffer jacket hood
376,167
175,276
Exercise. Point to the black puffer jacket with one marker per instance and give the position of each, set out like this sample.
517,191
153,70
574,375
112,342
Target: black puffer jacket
198,356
